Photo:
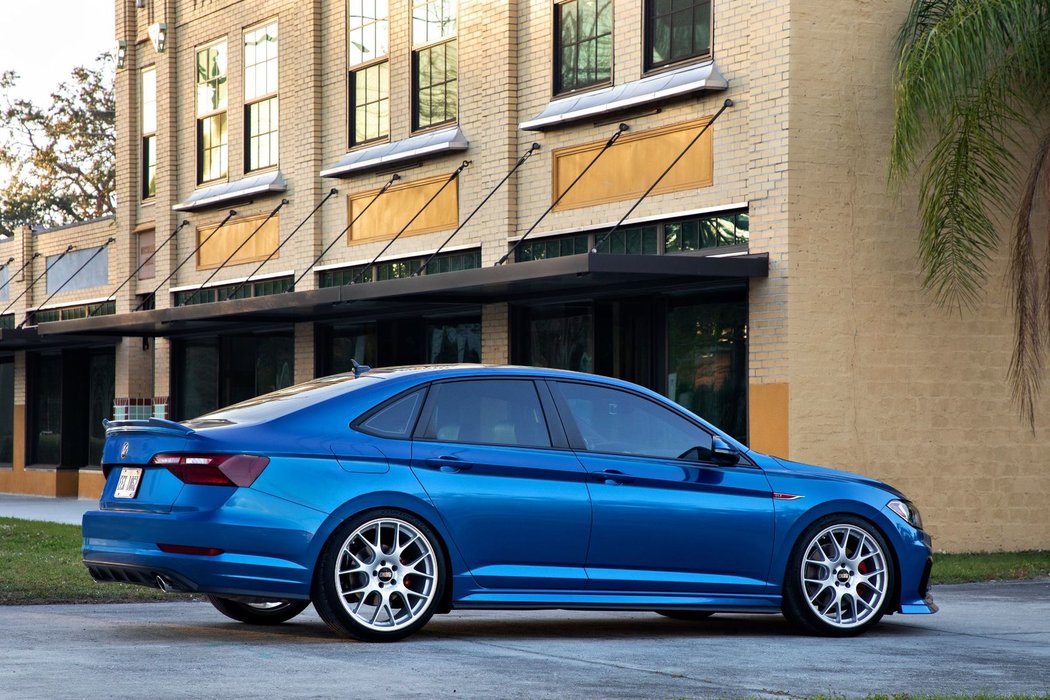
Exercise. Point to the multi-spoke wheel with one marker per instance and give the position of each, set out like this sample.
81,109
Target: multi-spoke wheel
839,578
271,612
380,576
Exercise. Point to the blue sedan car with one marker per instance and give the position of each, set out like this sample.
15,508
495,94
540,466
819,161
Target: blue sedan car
386,496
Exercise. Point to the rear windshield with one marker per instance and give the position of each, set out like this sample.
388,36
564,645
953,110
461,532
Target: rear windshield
283,401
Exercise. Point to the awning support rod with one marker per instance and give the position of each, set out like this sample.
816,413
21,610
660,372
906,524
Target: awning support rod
455,173
68,280
382,190
33,283
186,260
24,266
532,149
608,144
236,250
331,192
185,222
597,244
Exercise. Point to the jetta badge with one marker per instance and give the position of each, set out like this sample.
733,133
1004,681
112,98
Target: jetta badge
124,450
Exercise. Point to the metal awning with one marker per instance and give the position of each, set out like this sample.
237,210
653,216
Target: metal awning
427,145
234,191
587,274
15,339
653,89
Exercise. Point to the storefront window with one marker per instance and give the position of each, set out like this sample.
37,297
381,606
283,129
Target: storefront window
45,396
707,362
561,337
7,411
350,343
212,373
451,342
101,382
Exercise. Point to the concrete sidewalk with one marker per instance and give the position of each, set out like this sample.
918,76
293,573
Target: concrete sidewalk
53,510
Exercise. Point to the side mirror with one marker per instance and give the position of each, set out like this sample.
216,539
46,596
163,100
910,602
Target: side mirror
724,453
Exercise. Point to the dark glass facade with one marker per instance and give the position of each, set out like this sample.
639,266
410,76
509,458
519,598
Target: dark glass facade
212,372
7,410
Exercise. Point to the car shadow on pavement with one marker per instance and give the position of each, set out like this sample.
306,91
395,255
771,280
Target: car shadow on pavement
514,626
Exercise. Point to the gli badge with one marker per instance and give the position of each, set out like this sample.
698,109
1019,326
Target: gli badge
124,450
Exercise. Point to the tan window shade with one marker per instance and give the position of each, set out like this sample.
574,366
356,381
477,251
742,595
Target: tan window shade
399,204
213,253
630,166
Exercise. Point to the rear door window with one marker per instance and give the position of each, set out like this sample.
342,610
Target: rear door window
487,412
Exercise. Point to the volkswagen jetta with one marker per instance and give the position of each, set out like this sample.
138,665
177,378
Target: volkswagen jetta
386,496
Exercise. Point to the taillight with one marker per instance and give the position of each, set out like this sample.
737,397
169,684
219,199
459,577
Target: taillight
213,470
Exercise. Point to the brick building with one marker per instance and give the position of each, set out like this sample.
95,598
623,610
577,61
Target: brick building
286,169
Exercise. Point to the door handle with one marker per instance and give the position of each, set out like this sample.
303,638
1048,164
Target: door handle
447,464
613,477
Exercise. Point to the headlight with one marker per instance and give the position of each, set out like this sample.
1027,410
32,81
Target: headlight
908,511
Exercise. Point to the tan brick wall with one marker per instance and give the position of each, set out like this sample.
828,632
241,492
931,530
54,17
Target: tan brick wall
882,380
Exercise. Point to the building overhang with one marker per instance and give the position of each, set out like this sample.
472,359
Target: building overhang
587,274
16,339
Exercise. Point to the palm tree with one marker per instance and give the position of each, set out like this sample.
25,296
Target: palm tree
972,87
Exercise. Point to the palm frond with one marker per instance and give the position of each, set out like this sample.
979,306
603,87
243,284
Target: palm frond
946,50
1026,364
967,177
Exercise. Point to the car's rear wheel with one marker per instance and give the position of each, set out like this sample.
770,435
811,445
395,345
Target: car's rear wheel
839,577
271,612
381,576
686,615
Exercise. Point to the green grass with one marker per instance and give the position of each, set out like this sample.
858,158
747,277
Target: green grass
990,566
40,563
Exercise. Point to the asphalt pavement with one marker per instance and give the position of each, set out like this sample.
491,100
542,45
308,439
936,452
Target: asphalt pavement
988,638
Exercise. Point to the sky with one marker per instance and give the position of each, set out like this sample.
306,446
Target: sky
43,40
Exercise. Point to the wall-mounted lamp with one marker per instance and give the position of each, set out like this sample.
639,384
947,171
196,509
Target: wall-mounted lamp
121,53
158,34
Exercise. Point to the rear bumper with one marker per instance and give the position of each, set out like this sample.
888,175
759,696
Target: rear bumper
265,548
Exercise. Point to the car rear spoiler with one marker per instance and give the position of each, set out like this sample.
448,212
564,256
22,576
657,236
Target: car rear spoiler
153,425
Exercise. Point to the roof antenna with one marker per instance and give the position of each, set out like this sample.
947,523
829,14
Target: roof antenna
359,368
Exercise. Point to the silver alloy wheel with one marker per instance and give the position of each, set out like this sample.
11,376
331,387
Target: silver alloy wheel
386,574
844,576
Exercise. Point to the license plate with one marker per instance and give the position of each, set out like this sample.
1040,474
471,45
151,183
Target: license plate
128,484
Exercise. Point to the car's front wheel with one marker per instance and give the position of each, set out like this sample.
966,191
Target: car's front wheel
271,612
380,577
839,578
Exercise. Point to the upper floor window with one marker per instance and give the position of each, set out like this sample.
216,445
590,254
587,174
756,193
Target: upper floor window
260,97
148,98
583,44
676,30
435,63
212,102
368,45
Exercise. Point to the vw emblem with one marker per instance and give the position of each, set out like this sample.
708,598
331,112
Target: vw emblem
124,450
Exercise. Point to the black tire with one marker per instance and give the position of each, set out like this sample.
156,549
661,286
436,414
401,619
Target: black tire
861,580
355,575
685,615
270,613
